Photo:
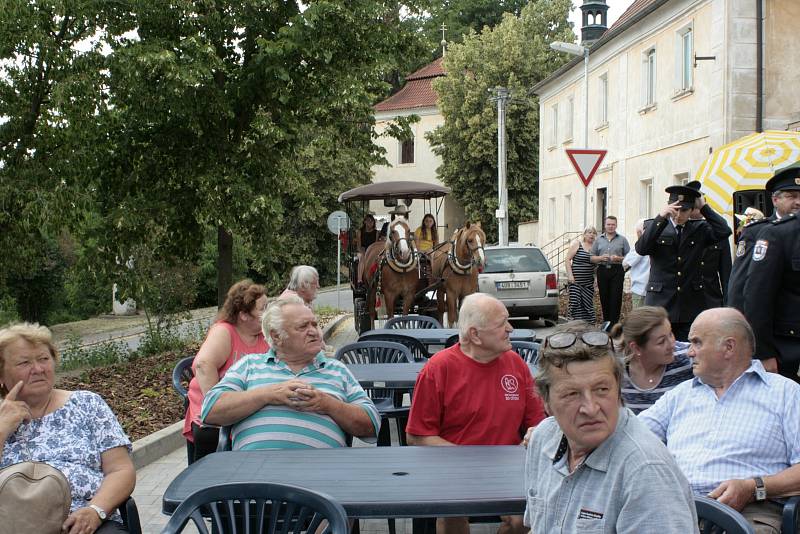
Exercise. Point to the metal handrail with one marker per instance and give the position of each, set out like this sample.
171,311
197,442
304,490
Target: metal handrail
555,250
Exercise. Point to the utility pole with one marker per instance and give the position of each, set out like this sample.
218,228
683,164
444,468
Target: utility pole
502,96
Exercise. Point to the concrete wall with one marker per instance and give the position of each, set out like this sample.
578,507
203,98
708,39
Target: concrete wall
662,143
450,213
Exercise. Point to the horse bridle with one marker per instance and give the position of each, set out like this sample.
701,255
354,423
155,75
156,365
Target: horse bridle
392,261
452,257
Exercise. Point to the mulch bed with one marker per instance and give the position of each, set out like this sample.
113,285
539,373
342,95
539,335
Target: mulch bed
139,392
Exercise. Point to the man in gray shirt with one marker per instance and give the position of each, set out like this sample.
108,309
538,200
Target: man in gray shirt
608,251
593,466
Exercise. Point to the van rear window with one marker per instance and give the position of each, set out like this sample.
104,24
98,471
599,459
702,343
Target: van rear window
518,260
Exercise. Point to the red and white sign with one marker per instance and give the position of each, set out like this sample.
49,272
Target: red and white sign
586,162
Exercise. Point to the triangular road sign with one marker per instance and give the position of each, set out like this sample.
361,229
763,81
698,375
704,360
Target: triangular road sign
586,162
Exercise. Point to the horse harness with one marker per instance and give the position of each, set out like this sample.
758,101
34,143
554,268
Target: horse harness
452,258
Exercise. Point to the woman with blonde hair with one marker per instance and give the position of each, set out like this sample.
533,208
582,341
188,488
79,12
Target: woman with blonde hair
580,275
656,362
74,431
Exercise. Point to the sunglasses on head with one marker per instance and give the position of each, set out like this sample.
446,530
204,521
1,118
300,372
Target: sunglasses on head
564,340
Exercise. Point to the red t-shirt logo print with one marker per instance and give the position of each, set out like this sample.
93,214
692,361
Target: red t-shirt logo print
509,383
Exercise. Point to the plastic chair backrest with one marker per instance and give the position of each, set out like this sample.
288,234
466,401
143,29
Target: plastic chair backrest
374,352
528,350
452,340
130,516
791,516
412,321
366,352
183,371
715,517
259,507
419,352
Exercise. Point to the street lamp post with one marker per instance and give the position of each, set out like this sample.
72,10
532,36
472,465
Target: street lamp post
578,50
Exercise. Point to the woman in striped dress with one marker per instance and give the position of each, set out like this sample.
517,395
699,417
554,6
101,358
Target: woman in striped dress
656,363
580,274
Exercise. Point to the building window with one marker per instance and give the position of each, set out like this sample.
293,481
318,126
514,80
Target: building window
568,222
684,59
646,198
681,178
602,106
554,123
570,118
649,78
551,216
407,151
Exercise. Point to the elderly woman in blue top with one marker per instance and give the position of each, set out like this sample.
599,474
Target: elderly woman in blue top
73,431
292,396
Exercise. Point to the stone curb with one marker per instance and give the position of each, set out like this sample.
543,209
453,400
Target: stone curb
159,444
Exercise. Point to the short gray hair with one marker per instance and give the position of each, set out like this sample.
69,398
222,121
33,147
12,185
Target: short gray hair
473,314
302,276
551,358
735,325
272,319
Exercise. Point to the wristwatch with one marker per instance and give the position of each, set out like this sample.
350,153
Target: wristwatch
761,490
100,511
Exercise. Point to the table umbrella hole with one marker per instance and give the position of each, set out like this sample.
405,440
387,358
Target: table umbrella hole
399,473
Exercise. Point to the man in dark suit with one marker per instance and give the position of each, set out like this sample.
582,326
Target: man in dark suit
675,244
716,264
786,200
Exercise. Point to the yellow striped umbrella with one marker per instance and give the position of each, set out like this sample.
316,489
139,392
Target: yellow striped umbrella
747,163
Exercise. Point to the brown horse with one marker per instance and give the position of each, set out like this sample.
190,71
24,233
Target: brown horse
392,269
457,264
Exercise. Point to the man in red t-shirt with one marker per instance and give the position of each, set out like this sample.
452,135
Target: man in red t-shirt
477,392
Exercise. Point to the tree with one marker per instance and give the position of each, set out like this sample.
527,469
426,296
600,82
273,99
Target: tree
248,116
515,54
461,17
51,73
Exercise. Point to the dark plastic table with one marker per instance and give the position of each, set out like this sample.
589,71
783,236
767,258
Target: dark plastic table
376,482
439,336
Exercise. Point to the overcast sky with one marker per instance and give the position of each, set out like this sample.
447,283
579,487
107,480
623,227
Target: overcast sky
615,9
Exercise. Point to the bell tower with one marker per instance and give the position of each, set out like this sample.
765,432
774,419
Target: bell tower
595,21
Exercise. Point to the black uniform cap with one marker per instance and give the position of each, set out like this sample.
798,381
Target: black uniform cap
786,180
683,194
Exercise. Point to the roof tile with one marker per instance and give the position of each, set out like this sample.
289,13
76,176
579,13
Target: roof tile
418,91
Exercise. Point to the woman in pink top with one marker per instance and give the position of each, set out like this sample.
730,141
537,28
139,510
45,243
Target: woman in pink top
236,333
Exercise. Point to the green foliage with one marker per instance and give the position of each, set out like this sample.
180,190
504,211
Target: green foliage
207,267
515,54
8,310
158,340
461,17
76,356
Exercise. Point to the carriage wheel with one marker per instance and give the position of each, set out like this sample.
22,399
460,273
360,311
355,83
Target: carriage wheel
362,321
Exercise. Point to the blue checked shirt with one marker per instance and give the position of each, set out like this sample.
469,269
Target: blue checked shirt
752,430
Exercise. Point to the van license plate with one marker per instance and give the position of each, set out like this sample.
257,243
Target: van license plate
522,284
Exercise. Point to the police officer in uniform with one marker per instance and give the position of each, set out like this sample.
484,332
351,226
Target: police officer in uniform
785,199
772,287
716,265
675,244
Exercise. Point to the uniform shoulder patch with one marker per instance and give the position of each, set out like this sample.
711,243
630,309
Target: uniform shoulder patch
741,248
760,249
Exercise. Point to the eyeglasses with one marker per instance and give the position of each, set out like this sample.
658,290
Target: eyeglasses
564,340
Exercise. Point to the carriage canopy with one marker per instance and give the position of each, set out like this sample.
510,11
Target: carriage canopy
398,190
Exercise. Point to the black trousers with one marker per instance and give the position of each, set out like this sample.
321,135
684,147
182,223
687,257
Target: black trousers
609,285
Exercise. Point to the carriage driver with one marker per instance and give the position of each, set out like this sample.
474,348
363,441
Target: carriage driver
477,392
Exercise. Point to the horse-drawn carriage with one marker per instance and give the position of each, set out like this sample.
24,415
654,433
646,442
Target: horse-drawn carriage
392,274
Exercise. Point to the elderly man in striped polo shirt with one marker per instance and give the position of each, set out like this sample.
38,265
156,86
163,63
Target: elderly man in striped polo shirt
734,429
292,396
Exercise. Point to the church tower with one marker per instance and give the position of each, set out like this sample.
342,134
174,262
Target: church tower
595,21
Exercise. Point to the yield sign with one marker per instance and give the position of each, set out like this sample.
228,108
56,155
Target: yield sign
586,162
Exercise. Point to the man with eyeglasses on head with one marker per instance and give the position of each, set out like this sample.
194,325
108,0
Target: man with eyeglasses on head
675,244
477,392
593,466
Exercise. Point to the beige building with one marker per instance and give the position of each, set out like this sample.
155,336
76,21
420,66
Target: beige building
413,159
669,82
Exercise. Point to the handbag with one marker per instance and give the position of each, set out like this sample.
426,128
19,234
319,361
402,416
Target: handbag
34,498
